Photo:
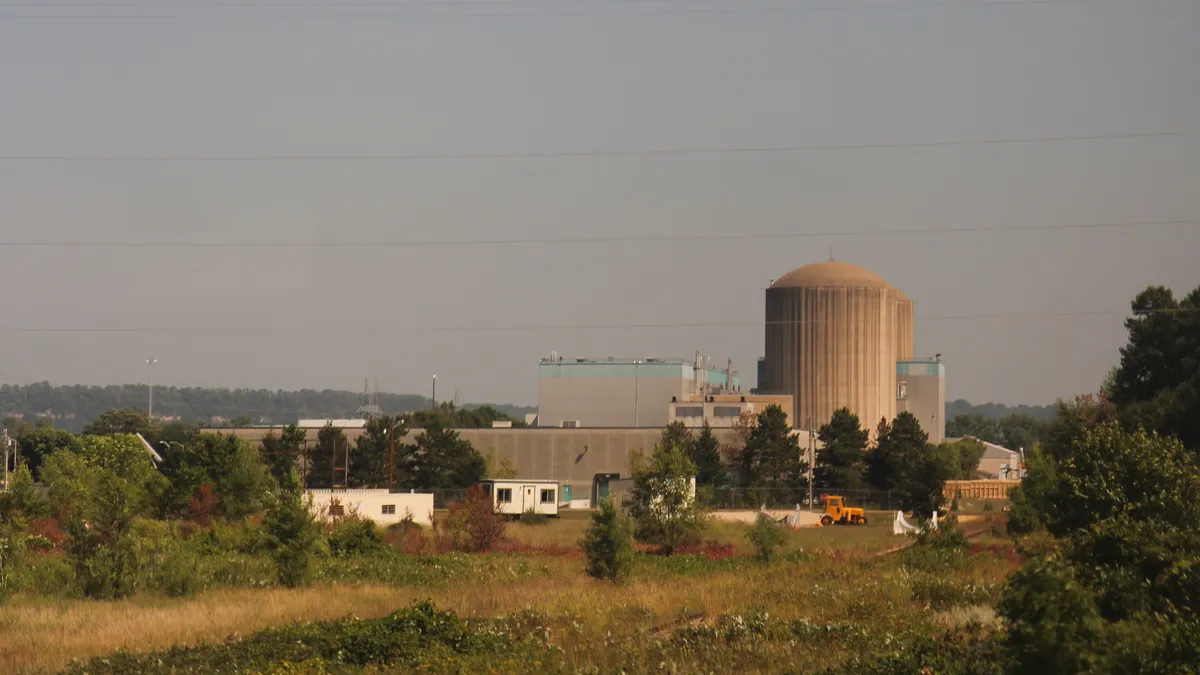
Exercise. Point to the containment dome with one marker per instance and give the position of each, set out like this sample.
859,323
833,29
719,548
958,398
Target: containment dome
834,332
831,274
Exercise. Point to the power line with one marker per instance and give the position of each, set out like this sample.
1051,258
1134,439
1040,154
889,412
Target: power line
571,241
629,152
359,330
505,9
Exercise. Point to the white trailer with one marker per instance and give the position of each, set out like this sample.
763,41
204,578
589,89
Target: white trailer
516,496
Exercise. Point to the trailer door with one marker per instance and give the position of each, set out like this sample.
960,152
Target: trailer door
530,499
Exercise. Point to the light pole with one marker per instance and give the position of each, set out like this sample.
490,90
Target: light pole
150,366
434,397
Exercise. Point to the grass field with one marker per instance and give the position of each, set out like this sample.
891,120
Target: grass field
831,600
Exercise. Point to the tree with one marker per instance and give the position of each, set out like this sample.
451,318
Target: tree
281,452
372,452
35,444
893,442
663,503
766,536
22,500
1022,431
921,484
502,469
124,456
962,456
608,544
229,466
123,421
974,425
1157,384
441,459
292,532
706,455
323,461
772,457
842,458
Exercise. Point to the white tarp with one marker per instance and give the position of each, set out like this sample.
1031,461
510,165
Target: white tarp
902,526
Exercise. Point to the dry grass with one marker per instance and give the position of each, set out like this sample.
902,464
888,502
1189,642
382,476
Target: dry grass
845,583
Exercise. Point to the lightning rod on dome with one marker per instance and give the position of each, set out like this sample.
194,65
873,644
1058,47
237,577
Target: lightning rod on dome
831,253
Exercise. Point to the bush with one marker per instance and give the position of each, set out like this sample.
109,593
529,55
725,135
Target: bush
532,517
293,534
474,524
948,536
608,544
400,640
8,563
353,536
954,505
766,536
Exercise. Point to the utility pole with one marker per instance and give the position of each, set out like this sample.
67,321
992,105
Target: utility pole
812,459
7,447
150,366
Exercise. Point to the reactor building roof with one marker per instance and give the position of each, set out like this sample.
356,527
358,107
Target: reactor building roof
834,273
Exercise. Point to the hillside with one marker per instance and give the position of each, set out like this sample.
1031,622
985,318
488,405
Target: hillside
72,407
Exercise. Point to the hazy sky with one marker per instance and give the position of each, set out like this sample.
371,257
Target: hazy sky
388,77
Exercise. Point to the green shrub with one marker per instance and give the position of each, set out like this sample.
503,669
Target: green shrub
947,536
608,544
954,505
532,517
939,593
48,576
353,536
401,640
292,532
766,536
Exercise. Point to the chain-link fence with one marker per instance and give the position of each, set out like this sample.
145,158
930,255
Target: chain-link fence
740,498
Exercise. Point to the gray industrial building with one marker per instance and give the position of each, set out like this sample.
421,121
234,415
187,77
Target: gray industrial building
623,393
921,390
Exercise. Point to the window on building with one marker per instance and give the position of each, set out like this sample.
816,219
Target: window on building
547,496
689,411
389,509
504,495
726,411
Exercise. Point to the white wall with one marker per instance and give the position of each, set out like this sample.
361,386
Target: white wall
370,503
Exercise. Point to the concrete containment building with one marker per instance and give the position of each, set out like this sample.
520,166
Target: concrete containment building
834,333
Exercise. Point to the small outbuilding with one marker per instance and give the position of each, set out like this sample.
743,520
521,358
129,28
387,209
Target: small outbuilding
382,506
516,496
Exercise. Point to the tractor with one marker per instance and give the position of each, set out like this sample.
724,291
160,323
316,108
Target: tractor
838,514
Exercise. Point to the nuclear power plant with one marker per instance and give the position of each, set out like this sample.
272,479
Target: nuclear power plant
839,336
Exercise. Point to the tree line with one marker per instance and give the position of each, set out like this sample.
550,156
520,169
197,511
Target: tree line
73,407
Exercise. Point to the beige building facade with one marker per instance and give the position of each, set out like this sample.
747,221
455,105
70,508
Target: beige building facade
834,333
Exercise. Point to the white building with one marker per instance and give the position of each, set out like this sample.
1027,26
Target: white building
381,506
518,496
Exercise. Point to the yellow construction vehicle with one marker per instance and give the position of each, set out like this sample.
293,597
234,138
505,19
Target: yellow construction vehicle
836,513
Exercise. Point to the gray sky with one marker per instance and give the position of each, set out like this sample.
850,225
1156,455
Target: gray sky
576,76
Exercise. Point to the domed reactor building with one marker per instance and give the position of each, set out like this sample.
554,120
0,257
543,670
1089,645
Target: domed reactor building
838,335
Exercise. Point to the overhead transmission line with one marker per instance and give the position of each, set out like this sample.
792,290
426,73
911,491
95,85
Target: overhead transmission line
563,154
357,330
509,8
572,241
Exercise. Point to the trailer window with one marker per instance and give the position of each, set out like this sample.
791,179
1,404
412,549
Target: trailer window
547,496
504,495
389,509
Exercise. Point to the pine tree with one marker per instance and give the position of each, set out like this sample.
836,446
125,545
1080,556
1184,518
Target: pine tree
772,457
842,459
608,544
706,455
292,532
895,441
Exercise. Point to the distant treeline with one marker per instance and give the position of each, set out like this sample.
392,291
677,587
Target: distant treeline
73,407
998,411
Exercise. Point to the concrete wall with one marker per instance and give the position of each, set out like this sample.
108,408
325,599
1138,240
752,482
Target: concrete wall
569,456
608,402
833,347
924,395
370,503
